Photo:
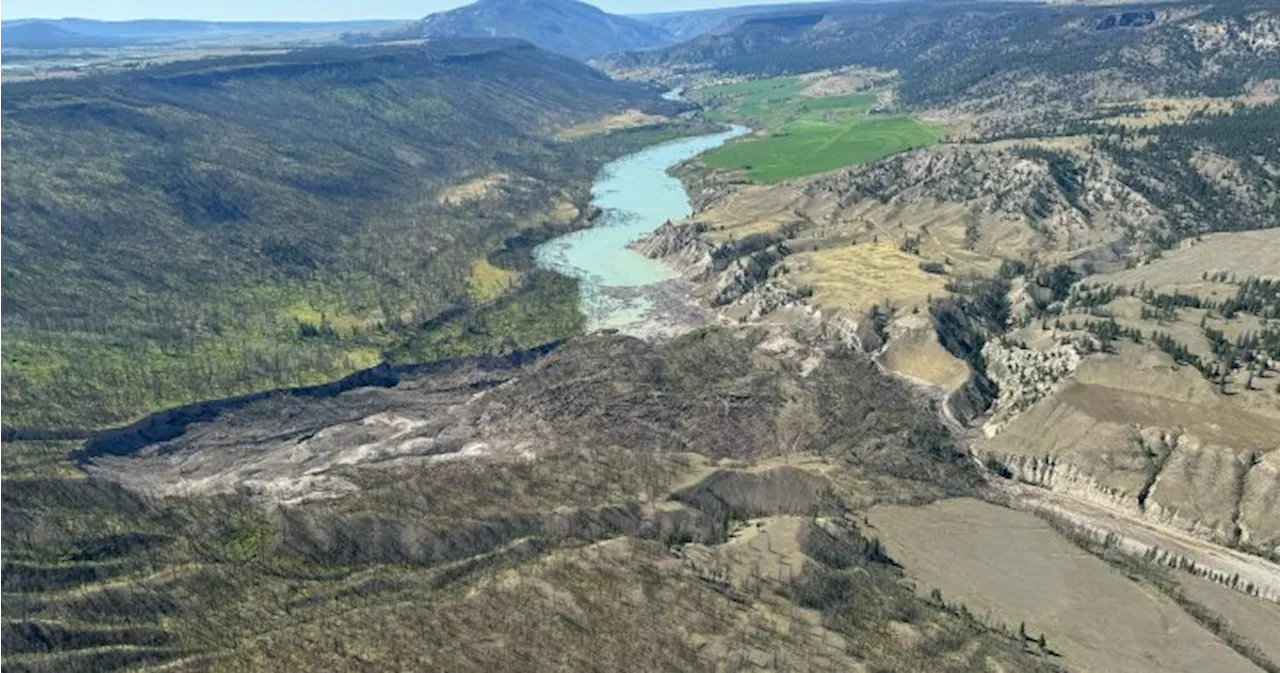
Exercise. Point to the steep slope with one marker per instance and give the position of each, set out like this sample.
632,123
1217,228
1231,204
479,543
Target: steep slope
222,226
610,504
1173,416
567,27
1083,141
1050,59
1001,242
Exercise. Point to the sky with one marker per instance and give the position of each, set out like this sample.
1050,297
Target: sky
293,10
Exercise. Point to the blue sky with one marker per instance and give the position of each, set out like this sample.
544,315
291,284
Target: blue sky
293,10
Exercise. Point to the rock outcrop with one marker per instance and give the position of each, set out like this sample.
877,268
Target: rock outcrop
1023,376
741,280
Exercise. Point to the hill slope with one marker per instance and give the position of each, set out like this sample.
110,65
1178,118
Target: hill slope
687,25
611,504
1077,248
169,232
996,56
567,27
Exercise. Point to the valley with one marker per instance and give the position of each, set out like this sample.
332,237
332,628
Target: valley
942,263
889,338
316,246
622,289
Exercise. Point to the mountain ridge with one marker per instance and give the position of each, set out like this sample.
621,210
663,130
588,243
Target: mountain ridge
76,32
48,35
566,27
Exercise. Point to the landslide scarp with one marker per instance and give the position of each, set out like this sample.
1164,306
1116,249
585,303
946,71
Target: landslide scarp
719,393
700,491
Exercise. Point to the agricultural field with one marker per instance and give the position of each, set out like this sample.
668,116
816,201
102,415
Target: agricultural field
803,131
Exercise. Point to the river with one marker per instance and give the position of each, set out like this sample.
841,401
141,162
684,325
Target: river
622,289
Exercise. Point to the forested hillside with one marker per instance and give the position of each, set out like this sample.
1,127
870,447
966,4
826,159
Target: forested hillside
996,55
583,510
221,226
570,27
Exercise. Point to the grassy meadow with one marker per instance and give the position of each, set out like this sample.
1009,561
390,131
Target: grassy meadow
802,134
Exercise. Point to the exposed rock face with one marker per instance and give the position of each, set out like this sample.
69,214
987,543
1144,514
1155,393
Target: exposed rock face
743,284
749,297
1188,469
1024,376
1062,476
680,247
1173,478
1256,34
1068,202
1127,453
1256,514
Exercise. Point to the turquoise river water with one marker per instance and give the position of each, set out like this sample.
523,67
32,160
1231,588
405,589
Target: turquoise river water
636,196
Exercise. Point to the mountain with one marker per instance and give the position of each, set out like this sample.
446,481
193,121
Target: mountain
568,27
163,28
49,35
90,33
690,24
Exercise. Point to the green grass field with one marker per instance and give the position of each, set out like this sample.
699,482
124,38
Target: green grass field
805,135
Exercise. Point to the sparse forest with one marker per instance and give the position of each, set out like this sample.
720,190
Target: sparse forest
982,54
201,230
286,389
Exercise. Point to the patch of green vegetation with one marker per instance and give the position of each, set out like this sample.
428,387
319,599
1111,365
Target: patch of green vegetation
267,337
544,309
805,148
760,100
776,101
38,460
243,536
488,282
805,135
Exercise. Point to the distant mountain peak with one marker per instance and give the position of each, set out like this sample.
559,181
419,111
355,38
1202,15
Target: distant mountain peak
42,34
570,27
